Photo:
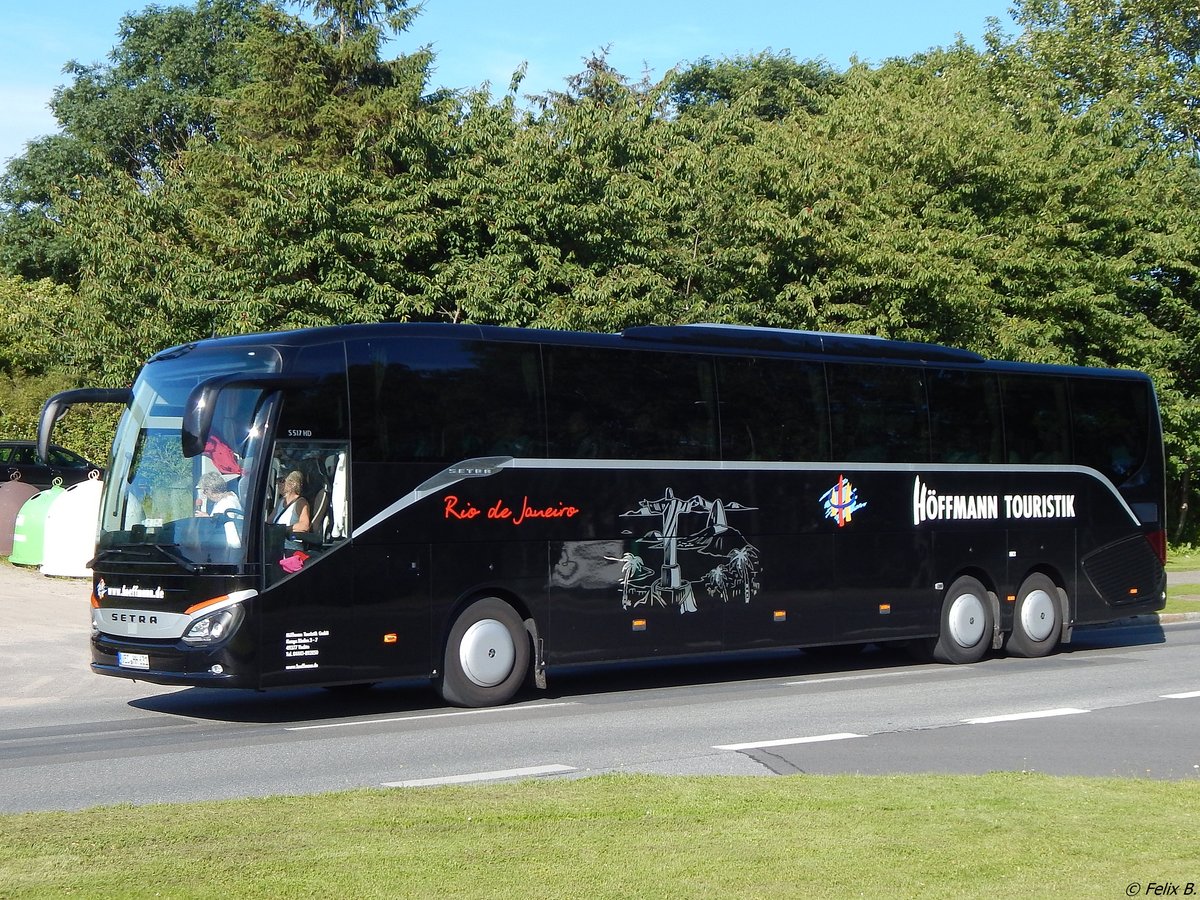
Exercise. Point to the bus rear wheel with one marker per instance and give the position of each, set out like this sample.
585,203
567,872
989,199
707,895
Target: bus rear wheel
1037,618
967,623
487,655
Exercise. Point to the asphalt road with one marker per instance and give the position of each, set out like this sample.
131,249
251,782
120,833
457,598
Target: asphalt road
1119,701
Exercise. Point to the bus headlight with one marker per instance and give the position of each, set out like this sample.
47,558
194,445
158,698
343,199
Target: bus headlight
214,627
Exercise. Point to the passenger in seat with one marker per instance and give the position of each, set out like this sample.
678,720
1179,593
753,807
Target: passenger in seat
292,510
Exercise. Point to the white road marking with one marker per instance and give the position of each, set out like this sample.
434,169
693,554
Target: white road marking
1018,717
473,778
816,739
832,679
448,715
1188,696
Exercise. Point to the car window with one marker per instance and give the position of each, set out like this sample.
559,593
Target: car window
61,457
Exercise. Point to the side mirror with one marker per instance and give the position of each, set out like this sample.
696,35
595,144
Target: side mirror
56,407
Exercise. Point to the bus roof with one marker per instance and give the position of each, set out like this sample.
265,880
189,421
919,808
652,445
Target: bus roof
714,338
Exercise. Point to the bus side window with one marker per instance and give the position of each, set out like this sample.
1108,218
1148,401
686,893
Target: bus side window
1037,427
964,416
773,410
630,404
878,413
1109,423
441,400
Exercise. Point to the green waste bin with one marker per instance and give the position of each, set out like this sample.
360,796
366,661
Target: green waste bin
29,529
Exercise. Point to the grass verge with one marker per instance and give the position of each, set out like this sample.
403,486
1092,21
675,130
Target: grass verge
1022,834
1183,598
1183,559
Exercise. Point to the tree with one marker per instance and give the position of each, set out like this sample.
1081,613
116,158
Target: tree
162,88
1127,71
778,84
33,334
310,209
35,190
168,75
1138,56
343,20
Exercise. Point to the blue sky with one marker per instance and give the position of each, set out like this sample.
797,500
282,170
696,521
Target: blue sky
486,40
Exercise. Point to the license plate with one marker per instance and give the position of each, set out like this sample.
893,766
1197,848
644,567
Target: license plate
133,660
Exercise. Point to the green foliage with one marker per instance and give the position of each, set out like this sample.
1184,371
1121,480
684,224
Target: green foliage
33,191
87,430
775,85
1130,56
162,86
34,335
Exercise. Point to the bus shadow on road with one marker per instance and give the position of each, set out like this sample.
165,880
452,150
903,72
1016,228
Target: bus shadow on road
292,705
1122,634
416,697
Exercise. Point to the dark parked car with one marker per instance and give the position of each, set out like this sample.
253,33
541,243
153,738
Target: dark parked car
19,462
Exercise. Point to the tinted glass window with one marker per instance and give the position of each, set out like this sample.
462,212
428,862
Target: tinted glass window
65,458
438,400
964,417
773,409
318,410
629,404
1110,421
1037,427
878,413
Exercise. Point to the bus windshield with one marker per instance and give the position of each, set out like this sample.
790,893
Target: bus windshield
189,510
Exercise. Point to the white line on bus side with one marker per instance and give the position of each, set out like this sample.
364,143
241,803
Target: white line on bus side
476,777
447,715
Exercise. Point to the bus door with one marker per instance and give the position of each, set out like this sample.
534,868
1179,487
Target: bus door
309,632
308,629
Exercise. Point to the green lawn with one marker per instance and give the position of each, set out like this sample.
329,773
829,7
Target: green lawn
1183,559
1015,835
1183,598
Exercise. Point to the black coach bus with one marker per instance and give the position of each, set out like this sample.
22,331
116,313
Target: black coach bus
474,504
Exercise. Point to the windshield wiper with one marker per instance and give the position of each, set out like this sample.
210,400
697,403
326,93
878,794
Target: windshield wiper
142,551
171,552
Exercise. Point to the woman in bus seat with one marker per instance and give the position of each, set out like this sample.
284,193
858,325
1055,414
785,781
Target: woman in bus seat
215,497
219,502
292,510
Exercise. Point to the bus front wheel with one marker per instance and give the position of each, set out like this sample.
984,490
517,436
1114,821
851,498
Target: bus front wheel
967,623
1037,618
487,655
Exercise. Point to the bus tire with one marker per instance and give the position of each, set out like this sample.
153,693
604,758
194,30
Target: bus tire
487,655
967,623
1037,618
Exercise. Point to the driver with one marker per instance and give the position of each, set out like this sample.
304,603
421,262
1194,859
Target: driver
221,502
215,496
